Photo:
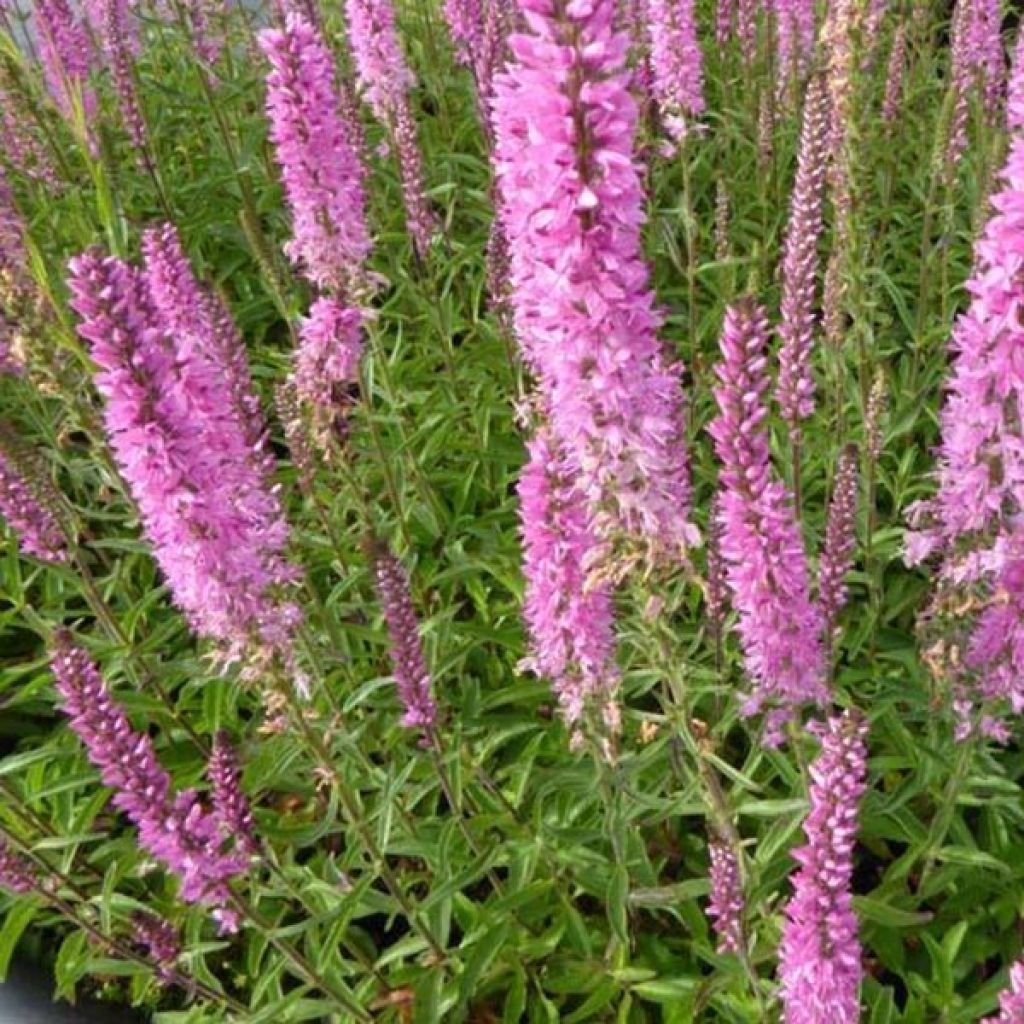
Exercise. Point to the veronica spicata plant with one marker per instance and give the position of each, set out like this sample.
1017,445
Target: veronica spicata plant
511,509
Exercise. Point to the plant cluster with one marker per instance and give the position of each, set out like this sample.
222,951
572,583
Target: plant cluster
514,509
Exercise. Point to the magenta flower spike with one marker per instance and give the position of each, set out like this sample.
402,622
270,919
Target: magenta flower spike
383,73
67,54
159,940
570,622
316,149
385,82
761,544
727,903
572,205
173,827
26,509
677,77
183,433
330,346
746,31
795,387
120,42
412,677
17,873
230,805
23,150
820,966
974,522
1015,89
465,23
725,20
894,76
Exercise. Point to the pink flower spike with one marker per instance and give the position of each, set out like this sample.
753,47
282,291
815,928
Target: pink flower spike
795,387
761,544
572,205
412,677
173,827
318,151
570,623
820,956
676,64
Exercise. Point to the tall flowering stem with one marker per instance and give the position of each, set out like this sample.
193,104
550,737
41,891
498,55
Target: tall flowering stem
385,81
820,956
676,64
571,204
795,386
761,543
570,623
725,21
974,522
23,150
173,827
412,677
746,31
160,941
175,414
330,346
17,289
1015,90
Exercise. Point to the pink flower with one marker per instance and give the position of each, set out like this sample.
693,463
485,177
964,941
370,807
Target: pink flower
465,23
572,206
894,76
26,505
795,388
184,434
66,52
840,540
820,956
316,150
412,677
160,941
330,346
570,623
17,873
727,903
385,82
173,827
230,804
384,76
976,520
761,543
795,32
119,39
676,63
